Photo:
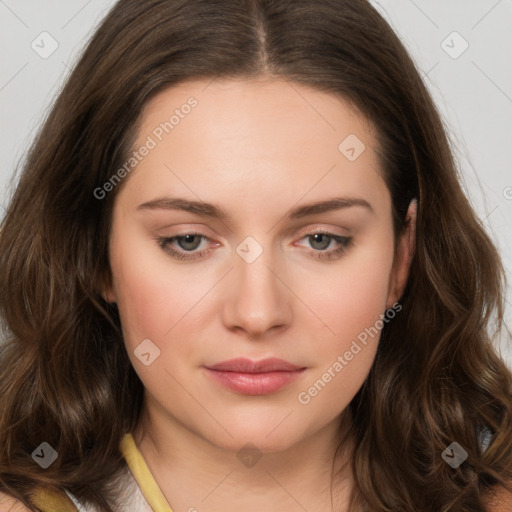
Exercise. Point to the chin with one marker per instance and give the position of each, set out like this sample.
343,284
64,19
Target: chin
266,433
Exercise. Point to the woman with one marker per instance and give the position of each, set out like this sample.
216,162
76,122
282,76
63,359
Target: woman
239,272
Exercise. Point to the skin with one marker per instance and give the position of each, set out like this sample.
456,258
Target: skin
256,148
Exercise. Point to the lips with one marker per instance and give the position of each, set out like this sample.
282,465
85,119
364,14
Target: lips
255,377
247,366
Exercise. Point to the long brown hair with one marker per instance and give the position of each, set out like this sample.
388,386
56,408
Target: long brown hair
65,377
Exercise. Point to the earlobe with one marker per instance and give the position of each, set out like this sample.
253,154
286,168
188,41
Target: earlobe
109,296
403,257
107,290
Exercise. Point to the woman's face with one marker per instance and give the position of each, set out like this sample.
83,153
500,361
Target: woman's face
217,254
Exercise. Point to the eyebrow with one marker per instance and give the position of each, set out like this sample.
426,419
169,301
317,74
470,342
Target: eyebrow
213,211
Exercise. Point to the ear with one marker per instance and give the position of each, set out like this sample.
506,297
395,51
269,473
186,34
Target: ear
403,257
109,296
107,288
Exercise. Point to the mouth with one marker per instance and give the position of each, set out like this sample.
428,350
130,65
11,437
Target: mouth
249,377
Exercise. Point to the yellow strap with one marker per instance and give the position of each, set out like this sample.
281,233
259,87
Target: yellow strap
142,475
58,501
53,501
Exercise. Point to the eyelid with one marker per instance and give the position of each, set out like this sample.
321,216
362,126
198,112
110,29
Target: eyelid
183,229
324,228
189,229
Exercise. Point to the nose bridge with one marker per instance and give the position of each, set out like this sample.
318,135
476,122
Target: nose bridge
258,301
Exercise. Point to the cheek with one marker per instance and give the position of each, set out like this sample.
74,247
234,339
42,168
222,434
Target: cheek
343,368
352,308
351,296
153,296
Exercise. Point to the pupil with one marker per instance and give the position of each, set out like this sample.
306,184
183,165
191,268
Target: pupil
318,238
187,240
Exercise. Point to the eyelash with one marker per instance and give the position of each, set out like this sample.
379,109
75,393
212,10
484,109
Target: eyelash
345,243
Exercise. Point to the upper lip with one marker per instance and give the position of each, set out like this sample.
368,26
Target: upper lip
242,365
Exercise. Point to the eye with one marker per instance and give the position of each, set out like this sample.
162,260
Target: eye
183,247
321,241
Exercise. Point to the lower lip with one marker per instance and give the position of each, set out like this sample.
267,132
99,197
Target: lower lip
255,383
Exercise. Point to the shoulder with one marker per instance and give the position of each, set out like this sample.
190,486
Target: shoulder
499,499
45,499
9,504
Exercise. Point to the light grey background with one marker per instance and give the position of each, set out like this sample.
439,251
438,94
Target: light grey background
472,87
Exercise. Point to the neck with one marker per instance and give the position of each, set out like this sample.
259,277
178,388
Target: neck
196,475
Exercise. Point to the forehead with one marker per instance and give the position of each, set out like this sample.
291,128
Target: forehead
251,140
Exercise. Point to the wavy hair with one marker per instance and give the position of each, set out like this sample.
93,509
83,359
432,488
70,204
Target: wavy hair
64,369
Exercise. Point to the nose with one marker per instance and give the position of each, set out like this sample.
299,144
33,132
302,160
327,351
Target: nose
257,301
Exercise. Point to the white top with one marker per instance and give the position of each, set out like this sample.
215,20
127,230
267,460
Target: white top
130,499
